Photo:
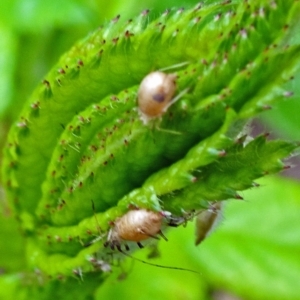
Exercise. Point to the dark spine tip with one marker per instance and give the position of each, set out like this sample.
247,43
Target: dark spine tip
145,12
222,153
238,197
286,167
116,19
46,83
267,107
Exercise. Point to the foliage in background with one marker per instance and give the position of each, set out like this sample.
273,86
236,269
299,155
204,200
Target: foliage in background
217,275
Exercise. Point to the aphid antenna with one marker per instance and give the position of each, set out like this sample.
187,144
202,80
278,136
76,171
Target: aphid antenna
145,119
175,99
155,124
100,235
93,241
94,211
157,265
175,221
183,92
176,66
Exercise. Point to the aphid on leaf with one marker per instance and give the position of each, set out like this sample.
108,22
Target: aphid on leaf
155,95
138,225
135,225
206,220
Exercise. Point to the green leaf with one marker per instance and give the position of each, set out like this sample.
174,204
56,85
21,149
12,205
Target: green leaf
7,50
235,172
251,254
255,250
36,15
79,155
12,256
25,286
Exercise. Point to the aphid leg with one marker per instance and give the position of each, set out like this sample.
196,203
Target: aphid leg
162,235
175,99
140,245
100,234
148,234
154,236
94,210
113,242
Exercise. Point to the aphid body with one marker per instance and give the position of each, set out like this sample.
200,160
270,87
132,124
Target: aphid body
155,94
136,226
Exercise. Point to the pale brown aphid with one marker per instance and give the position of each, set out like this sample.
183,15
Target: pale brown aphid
135,226
155,94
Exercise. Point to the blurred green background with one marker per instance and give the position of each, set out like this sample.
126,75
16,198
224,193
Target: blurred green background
255,251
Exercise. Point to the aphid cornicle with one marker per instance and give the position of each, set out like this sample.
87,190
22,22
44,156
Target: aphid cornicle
136,226
155,94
